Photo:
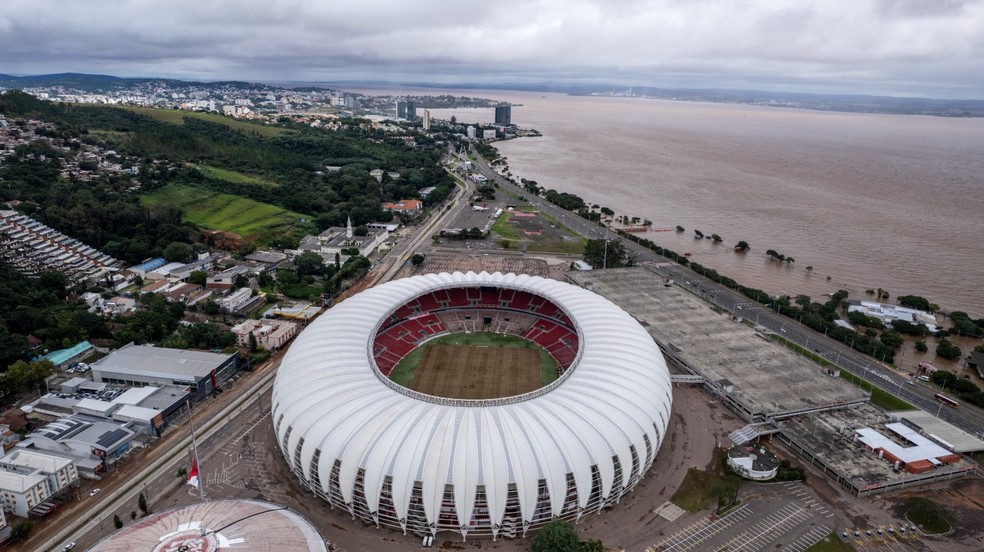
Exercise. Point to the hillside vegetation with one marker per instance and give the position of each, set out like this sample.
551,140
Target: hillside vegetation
226,212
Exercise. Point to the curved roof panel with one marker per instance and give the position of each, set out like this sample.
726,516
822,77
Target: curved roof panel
375,438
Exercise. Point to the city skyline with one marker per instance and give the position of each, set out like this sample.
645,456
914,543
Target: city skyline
879,47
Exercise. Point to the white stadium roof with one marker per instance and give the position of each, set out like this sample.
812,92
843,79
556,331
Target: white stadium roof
607,413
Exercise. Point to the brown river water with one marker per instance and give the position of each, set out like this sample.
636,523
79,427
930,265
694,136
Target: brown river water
870,201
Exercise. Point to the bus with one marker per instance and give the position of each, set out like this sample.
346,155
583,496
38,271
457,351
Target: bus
946,400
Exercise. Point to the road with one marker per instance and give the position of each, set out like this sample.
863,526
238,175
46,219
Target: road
391,264
91,517
919,394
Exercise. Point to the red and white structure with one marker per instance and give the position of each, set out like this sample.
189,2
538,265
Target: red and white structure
423,464
921,454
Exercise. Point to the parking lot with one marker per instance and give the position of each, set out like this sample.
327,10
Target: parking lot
780,516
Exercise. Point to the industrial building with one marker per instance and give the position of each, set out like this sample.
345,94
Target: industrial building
140,365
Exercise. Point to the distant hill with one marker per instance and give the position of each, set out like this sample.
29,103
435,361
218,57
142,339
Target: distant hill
103,83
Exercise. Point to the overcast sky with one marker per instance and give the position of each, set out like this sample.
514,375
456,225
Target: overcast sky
897,47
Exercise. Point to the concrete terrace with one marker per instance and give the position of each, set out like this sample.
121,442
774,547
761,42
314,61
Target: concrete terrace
759,379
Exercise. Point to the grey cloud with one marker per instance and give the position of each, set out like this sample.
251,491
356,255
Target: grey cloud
877,46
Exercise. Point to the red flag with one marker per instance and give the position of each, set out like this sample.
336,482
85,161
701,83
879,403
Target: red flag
193,474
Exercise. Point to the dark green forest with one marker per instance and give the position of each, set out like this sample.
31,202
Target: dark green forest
105,214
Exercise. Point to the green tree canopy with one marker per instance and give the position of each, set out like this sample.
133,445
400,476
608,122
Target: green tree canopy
556,536
177,252
595,254
198,277
309,263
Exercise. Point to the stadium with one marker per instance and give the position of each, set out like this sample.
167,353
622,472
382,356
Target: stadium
558,412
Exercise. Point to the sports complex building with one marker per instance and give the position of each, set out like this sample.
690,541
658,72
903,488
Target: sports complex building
387,407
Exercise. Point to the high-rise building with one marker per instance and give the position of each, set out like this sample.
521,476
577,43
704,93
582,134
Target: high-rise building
401,109
427,119
411,111
503,115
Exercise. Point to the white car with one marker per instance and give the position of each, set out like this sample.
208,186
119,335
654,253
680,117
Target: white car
68,546
95,491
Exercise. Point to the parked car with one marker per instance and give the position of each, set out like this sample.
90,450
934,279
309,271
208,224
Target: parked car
95,491
68,546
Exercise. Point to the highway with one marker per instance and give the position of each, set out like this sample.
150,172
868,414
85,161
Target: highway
918,393
391,264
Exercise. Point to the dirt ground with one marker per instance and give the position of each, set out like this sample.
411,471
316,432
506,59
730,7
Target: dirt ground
467,372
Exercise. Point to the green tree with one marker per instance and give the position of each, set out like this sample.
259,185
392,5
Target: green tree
417,259
22,374
921,346
915,302
133,515
556,536
596,255
21,531
177,252
210,307
594,545
142,504
947,349
742,246
309,263
198,277
117,522
891,339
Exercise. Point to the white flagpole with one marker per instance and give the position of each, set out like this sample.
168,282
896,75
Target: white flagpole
198,464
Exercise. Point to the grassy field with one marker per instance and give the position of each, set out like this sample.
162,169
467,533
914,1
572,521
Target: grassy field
177,116
403,372
463,372
831,543
701,488
573,247
233,176
505,230
224,212
510,232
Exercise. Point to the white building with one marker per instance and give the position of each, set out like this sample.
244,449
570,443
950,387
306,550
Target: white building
753,462
890,313
488,135
472,132
22,492
269,334
333,240
58,471
235,299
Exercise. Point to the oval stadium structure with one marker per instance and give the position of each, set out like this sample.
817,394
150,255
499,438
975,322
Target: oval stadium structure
497,465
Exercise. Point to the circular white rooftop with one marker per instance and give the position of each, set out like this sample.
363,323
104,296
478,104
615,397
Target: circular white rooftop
395,457
216,524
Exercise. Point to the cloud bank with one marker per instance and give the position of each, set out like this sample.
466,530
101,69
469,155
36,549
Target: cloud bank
897,47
